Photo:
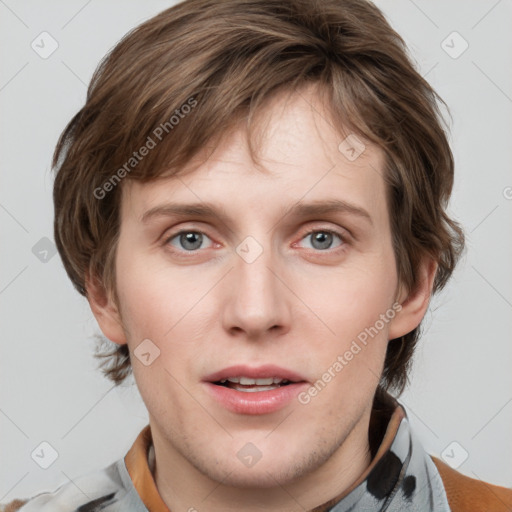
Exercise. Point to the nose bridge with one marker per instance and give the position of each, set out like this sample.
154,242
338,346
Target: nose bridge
257,301
256,287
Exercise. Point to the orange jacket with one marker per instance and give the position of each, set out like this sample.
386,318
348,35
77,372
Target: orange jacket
467,494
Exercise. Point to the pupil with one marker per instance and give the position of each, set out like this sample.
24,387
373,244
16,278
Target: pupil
324,239
188,238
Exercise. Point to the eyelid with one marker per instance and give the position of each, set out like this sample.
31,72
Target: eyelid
342,232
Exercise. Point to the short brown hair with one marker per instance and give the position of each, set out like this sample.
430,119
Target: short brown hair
224,60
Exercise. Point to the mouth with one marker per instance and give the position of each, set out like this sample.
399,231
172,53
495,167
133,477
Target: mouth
248,385
249,379
247,390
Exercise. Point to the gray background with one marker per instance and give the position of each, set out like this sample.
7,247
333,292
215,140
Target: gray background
50,390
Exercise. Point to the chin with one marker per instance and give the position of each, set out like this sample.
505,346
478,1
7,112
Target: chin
263,474
263,477
253,479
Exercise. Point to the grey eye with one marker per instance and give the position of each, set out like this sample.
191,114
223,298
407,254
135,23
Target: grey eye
323,239
188,240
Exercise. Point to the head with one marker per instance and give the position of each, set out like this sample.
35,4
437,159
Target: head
259,110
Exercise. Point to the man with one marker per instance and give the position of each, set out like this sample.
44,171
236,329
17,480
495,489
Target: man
253,202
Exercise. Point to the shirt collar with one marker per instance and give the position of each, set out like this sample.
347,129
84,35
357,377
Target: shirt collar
140,462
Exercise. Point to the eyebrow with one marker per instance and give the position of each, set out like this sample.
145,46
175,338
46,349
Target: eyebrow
300,210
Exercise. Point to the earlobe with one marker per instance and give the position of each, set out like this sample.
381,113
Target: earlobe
105,310
415,304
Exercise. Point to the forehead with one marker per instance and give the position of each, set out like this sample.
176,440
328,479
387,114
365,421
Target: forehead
300,156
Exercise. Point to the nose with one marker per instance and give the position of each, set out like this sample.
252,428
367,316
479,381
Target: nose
256,304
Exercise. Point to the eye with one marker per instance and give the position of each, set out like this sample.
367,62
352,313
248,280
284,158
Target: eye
322,239
188,240
191,240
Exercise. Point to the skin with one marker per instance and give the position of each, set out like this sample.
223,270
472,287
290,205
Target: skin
300,304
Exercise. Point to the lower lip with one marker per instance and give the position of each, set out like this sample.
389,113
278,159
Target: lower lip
257,402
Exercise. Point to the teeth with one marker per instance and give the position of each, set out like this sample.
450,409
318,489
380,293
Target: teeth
246,381
258,382
254,388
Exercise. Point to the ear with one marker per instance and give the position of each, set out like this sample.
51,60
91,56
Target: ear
414,302
105,310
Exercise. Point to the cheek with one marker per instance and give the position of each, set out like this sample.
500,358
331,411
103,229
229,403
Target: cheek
153,311
353,299
355,306
160,305
153,298
350,361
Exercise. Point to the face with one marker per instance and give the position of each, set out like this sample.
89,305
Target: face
264,310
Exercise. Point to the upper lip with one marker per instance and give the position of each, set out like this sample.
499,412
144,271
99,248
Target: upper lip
257,372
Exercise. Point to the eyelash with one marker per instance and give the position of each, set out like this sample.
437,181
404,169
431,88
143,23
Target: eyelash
341,247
